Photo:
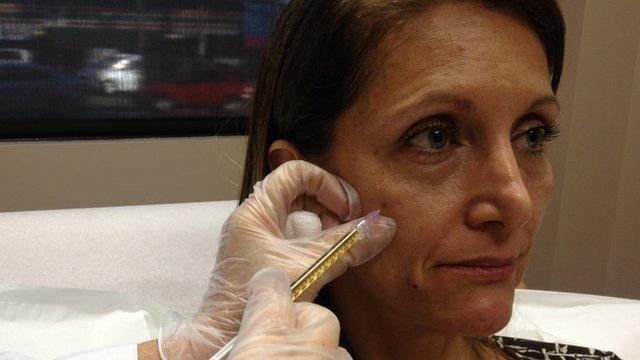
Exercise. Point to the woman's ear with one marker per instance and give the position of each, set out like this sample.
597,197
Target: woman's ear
282,151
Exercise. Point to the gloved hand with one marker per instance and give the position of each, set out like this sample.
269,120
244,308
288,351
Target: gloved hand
268,230
273,327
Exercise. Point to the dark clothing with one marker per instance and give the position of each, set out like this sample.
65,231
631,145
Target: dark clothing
534,350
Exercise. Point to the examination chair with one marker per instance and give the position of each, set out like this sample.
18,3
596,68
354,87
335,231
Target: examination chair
107,276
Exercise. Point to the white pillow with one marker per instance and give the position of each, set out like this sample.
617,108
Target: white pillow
600,322
46,323
162,251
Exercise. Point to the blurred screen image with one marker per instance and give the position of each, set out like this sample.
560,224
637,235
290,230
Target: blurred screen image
95,59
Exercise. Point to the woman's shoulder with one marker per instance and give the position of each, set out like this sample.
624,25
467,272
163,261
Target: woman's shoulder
534,350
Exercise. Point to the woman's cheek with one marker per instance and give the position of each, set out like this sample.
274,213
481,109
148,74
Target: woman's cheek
539,180
538,176
422,220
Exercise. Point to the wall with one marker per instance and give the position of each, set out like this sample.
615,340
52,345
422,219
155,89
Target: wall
588,242
57,175
539,274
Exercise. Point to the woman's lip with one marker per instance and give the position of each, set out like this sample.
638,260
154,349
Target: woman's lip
481,271
485,261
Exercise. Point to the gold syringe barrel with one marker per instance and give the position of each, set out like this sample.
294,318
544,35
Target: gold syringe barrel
324,263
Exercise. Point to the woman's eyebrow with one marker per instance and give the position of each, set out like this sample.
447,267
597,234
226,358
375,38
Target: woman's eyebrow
463,104
469,106
435,99
544,100
449,99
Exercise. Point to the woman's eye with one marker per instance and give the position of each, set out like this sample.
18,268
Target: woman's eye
535,138
433,135
431,140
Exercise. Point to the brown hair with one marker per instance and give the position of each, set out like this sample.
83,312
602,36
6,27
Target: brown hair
320,55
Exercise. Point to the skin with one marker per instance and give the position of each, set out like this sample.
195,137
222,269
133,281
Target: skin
148,351
483,194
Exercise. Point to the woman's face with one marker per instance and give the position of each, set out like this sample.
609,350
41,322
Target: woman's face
447,139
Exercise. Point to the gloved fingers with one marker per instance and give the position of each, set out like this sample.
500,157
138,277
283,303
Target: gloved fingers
179,338
320,323
343,354
379,235
269,305
296,178
267,331
302,224
330,220
311,204
352,198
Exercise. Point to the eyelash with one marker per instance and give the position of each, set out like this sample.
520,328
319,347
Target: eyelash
440,121
551,129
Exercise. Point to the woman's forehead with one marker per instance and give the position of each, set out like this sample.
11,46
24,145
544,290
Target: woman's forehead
454,33
458,48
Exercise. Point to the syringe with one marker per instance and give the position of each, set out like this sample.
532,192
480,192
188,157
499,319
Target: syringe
309,277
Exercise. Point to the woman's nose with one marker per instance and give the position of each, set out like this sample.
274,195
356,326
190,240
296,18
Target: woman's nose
500,196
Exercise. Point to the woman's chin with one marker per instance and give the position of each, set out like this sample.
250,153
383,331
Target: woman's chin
482,313
487,325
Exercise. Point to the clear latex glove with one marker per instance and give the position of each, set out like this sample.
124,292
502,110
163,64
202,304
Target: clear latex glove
263,232
274,327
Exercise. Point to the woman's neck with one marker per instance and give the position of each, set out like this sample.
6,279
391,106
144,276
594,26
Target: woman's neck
369,338
373,335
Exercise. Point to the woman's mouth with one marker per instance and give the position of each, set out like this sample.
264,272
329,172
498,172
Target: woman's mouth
482,269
